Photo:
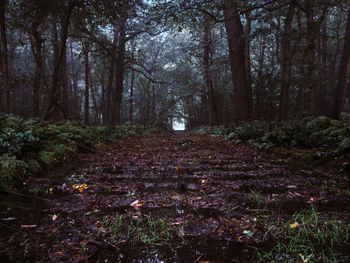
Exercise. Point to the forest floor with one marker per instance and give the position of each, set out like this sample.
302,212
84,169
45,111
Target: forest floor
176,197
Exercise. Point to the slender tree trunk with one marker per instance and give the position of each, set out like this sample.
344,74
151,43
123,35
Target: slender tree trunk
131,110
120,68
310,52
36,43
66,85
87,83
235,37
213,115
108,111
324,76
343,70
247,59
4,58
76,104
260,85
286,63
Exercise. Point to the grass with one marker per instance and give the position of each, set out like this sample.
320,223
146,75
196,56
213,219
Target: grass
308,237
138,229
256,198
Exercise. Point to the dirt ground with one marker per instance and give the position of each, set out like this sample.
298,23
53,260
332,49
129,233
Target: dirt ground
216,198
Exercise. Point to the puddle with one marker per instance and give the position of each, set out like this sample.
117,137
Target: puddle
189,250
24,209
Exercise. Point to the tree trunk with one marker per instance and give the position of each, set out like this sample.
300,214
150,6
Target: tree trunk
108,111
247,59
343,70
286,63
87,83
119,75
4,58
36,43
213,115
53,99
310,53
131,110
66,85
76,105
235,37
260,94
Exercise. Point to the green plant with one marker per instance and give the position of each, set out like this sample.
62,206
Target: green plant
12,171
309,237
256,199
141,229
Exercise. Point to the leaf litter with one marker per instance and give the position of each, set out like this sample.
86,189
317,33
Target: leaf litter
215,198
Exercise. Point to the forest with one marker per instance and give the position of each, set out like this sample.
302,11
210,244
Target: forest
91,169
150,62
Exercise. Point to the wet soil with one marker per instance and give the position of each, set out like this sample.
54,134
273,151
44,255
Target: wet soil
211,192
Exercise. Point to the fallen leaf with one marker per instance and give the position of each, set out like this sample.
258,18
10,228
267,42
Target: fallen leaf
28,226
135,203
294,225
8,219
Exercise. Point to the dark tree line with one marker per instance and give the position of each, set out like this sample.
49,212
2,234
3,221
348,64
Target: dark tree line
219,62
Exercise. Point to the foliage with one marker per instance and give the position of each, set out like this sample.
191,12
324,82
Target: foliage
29,146
12,170
309,238
140,229
331,137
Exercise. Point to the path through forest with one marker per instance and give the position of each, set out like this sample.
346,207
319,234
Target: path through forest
200,198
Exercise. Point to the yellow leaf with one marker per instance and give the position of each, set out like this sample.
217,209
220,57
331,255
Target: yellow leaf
294,225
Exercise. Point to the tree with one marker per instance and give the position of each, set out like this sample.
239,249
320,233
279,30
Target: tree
54,100
286,62
342,87
235,38
4,58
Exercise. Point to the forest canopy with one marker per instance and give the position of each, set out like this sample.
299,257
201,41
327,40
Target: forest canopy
222,62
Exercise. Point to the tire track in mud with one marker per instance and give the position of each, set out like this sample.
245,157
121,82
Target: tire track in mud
209,189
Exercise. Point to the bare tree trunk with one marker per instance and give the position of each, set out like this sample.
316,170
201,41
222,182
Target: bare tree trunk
76,106
235,37
119,75
131,111
343,70
286,63
87,83
53,99
66,85
213,115
259,89
108,111
313,28
36,43
247,59
4,58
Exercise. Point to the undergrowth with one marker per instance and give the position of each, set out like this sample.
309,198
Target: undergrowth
28,146
143,229
326,137
308,237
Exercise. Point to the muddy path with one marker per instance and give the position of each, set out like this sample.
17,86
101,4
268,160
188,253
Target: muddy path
205,199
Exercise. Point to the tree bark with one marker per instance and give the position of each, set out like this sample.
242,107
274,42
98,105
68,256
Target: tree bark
87,83
213,115
53,99
4,58
36,43
119,75
248,71
235,38
343,71
286,63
